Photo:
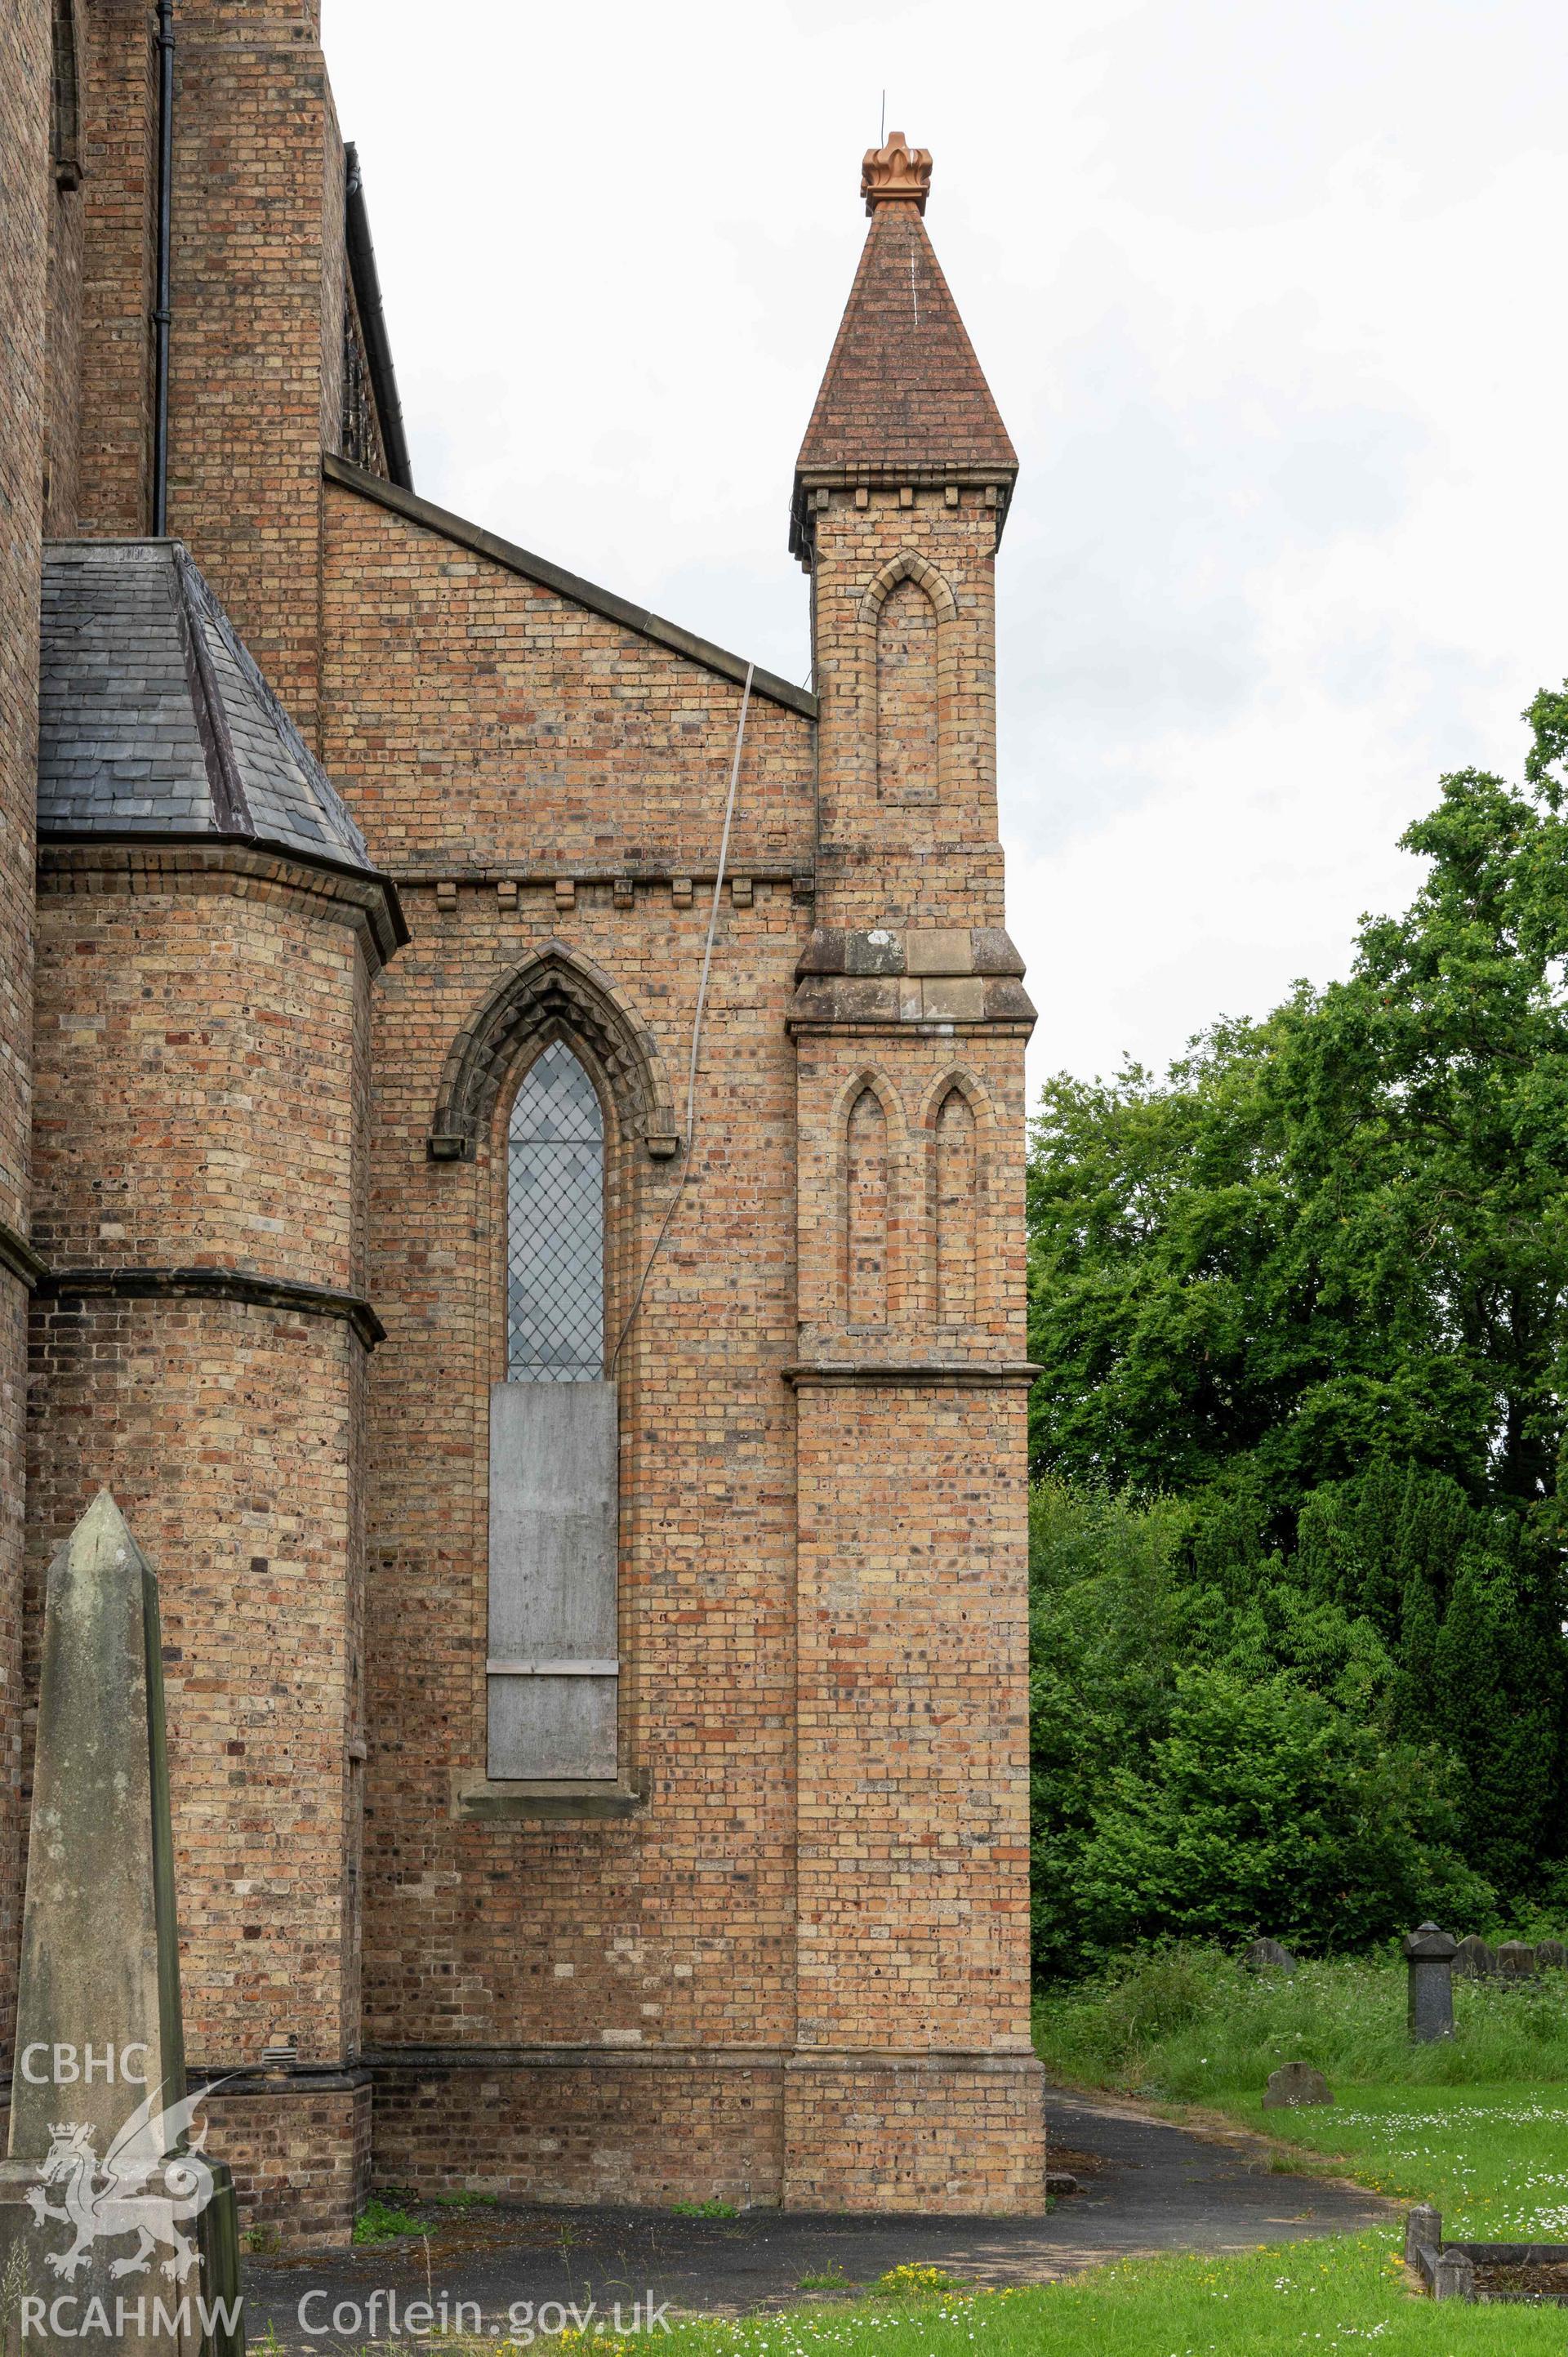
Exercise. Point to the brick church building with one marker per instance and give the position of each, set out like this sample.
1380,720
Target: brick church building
511,1170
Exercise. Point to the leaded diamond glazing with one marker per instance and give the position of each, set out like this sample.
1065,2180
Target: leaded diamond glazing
555,1225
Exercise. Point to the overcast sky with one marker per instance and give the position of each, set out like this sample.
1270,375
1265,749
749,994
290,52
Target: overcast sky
1270,296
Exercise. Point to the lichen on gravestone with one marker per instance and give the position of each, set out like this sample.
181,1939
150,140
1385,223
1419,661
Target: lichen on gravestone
1295,2084
100,2149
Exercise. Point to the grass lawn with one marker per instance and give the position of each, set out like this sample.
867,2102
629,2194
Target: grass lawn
1494,2160
1341,2294
1478,2123
1189,2023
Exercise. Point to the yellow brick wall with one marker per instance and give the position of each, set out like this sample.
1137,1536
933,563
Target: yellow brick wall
886,860
794,1964
200,1033
195,1055
118,202
258,320
24,228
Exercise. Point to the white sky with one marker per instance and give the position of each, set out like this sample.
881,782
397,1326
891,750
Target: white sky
1270,296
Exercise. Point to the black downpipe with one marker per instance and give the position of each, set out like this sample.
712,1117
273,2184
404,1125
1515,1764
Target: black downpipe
164,257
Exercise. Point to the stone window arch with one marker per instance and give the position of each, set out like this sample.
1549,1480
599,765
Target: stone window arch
908,565
555,985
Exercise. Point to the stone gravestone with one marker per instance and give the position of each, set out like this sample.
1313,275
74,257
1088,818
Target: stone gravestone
1293,2083
1516,1959
1550,1955
1429,1956
1422,2230
1473,1960
1453,2276
116,2232
1268,1956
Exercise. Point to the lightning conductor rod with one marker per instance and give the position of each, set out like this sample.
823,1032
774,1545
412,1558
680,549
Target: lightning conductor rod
696,1030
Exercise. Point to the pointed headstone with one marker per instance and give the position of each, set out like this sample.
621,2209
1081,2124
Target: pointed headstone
114,2226
99,1949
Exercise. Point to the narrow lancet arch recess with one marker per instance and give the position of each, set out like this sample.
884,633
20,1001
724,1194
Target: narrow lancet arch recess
955,1177
865,1211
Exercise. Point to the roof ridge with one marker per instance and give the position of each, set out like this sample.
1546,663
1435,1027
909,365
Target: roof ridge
265,694
230,806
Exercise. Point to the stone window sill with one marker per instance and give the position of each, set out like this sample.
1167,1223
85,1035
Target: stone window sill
478,1801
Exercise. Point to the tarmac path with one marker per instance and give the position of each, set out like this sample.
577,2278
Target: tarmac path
1146,2186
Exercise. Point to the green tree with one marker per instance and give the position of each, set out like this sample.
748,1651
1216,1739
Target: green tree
1211,1747
1337,1236
1497,1690
1263,1808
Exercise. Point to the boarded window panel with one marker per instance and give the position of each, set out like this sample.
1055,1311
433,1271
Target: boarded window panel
552,1580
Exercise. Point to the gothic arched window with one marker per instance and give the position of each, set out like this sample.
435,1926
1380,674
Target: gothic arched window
555,1225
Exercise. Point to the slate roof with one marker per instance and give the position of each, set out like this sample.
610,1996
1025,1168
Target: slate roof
904,398
155,719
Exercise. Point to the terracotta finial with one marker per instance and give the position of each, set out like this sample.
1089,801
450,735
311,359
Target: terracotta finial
896,171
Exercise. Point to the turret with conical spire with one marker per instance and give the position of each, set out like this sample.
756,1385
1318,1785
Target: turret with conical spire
904,400
901,487
910,1021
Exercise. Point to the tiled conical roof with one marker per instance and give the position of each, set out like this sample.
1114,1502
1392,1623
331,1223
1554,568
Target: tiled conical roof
904,399
153,718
